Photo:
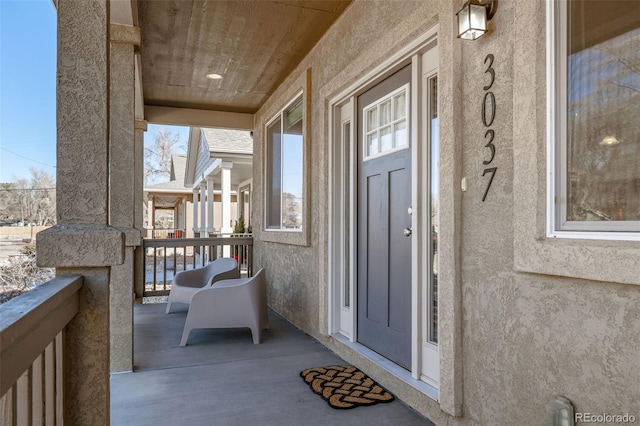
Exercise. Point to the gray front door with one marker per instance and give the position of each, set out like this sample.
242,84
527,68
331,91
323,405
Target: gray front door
384,248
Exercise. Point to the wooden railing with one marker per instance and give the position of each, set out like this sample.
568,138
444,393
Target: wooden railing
31,352
166,257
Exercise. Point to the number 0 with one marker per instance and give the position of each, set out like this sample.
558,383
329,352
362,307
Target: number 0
488,122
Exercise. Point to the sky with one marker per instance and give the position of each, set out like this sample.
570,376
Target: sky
28,89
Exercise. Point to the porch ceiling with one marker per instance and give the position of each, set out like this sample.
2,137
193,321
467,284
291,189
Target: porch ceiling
254,45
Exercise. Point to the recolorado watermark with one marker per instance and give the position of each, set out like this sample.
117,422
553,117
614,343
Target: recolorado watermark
605,418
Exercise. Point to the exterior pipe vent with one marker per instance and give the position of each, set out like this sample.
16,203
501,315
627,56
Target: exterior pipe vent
560,412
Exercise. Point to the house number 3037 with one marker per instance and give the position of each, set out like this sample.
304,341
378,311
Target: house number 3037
488,116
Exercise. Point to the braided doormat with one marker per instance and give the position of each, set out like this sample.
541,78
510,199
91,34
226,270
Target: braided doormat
344,386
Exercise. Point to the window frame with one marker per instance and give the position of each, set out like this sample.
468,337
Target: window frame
557,124
598,260
296,85
280,116
406,88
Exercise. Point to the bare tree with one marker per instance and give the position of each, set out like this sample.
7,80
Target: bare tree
291,210
22,274
5,199
29,200
43,197
157,158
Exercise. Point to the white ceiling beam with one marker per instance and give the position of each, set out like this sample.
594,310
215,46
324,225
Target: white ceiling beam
198,117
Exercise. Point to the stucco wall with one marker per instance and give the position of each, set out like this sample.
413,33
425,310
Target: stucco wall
297,274
526,336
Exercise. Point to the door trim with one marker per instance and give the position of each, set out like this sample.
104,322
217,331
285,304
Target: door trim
341,228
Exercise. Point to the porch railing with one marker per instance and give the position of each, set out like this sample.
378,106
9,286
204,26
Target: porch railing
31,352
166,257
166,233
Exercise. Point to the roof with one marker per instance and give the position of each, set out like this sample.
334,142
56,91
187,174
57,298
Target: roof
178,166
228,141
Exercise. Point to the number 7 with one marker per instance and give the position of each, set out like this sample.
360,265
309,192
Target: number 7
491,170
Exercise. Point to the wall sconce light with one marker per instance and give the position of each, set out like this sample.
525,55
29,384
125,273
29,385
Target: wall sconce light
473,18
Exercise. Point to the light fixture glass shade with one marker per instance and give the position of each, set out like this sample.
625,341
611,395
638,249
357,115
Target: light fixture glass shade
472,20
609,140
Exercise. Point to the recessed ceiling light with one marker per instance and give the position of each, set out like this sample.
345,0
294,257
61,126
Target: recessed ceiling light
214,76
609,140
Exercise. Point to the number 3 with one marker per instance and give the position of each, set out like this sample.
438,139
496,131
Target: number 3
489,70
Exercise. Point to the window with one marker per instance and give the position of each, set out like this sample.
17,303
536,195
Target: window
434,207
595,133
385,122
284,168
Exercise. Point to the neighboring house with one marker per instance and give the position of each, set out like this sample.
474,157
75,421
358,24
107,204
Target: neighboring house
459,219
219,166
170,197
213,155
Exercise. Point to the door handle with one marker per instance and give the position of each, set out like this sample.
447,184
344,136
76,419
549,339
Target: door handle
407,232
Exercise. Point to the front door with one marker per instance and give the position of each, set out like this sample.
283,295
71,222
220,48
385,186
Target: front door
384,218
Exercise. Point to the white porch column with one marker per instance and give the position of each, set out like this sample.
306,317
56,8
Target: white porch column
140,127
195,213
210,203
83,243
180,215
225,183
176,219
203,208
151,215
185,217
122,190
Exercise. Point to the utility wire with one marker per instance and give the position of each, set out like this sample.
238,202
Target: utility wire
26,158
28,189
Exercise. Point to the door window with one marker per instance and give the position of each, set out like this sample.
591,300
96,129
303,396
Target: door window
385,121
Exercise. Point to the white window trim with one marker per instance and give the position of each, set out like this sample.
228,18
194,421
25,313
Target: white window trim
277,116
557,225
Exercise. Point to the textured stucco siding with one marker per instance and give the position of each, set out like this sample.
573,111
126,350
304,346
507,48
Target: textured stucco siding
526,335
298,273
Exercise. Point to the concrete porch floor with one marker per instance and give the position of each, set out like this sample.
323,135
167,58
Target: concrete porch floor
222,378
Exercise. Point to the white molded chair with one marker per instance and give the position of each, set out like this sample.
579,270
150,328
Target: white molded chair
186,283
230,304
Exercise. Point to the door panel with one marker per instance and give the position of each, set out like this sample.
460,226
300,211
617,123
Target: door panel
400,246
376,262
384,252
